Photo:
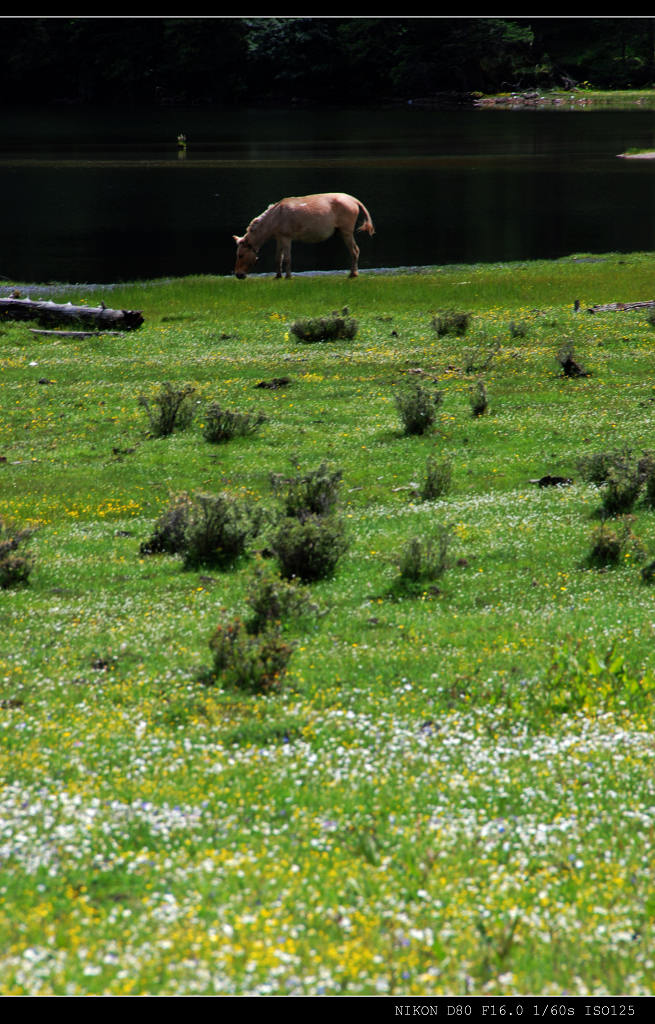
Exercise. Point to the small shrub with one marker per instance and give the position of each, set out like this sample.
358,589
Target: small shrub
418,409
168,536
477,360
517,330
595,467
568,362
171,409
647,470
252,663
218,530
325,328
15,568
438,476
451,321
478,398
611,544
309,548
313,493
206,529
424,559
222,425
274,600
622,486
648,571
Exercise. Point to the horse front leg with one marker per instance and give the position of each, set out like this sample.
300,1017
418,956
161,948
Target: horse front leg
283,256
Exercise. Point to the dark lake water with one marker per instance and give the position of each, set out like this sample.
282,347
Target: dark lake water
104,196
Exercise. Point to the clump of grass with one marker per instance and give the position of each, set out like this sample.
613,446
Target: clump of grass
622,487
477,360
417,408
422,561
206,529
517,330
309,548
335,327
168,536
478,398
622,476
567,360
222,425
218,530
595,466
170,409
437,479
15,567
315,492
254,663
610,545
451,321
274,600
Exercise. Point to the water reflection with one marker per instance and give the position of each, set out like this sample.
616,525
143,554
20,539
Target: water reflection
108,196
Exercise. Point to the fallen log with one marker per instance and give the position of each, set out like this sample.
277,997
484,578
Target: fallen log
621,306
49,313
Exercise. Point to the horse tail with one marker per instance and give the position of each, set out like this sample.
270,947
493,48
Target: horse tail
368,223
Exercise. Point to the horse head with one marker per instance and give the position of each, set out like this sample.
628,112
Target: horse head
246,256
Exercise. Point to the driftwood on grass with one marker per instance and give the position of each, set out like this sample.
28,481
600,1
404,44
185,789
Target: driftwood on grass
57,314
621,306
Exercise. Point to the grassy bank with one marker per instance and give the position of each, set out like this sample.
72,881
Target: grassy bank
449,788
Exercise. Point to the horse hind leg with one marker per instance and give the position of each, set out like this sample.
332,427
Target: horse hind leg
353,249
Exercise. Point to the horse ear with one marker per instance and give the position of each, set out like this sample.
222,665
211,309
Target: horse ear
237,239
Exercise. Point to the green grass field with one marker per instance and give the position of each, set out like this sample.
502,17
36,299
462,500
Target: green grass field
451,790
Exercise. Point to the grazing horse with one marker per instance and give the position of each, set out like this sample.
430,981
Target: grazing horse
302,219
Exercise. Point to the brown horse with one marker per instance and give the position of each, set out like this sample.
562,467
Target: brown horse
302,219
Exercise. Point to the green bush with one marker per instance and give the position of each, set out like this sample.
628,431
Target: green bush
171,409
312,493
168,536
418,409
437,480
478,398
206,529
611,544
451,321
424,559
222,424
15,568
252,663
325,328
273,600
218,530
309,549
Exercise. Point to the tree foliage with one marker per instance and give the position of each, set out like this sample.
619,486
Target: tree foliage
313,59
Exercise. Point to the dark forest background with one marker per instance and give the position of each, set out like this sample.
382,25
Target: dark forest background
352,61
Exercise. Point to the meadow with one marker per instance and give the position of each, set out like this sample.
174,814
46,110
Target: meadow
450,788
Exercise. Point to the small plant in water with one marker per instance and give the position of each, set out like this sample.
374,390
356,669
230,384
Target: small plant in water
15,567
222,424
417,408
171,409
